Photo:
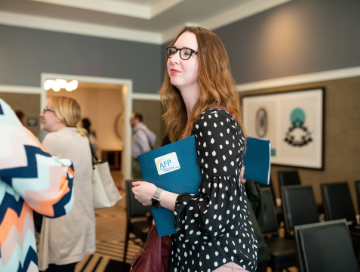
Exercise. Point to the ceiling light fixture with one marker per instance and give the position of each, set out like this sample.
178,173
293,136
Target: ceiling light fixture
59,84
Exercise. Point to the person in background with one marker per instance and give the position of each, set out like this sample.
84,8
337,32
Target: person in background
66,240
20,114
86,124
143,140
215,232
30,180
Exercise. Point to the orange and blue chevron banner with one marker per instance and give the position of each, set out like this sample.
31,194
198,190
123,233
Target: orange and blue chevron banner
30,180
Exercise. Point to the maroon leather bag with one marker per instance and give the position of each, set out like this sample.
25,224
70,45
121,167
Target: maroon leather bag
155,255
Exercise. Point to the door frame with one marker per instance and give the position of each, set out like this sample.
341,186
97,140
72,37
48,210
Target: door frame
127,105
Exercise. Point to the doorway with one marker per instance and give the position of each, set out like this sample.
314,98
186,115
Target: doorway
106,102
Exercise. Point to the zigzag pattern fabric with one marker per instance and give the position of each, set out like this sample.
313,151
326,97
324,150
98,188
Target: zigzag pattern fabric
30,179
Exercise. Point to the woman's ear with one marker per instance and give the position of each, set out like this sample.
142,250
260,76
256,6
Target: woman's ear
59,121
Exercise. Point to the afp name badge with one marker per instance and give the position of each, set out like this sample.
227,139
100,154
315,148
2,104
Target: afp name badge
167,163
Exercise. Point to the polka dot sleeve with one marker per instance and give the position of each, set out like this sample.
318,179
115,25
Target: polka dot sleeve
219,145
213,226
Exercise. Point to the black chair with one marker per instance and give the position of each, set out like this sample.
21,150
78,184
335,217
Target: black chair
271,186
338,204
326,247
337,201
357,185
135,210
279,211
281,250
299,206
287,178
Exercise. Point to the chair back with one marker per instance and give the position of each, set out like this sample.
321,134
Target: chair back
271,224
271,186
325,246
337,201
133,207
299,206
357,185
287,178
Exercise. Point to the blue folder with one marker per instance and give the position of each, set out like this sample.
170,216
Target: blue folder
173,168
257,160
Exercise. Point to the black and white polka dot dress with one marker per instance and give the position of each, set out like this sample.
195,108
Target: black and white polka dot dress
214,227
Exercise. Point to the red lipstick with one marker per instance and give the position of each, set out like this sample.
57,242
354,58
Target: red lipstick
174,71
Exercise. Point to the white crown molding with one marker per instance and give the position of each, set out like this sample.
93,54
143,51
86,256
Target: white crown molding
144,96
162,6
19,89
227,17
134,10
170,34
300,79
113,7
141,11
29,21
241,12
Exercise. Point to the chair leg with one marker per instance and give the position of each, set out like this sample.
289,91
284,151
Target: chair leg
126,241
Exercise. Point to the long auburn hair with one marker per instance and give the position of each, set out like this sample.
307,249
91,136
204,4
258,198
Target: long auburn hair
217,86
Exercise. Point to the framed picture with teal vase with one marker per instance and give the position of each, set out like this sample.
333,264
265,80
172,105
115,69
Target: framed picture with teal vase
293,121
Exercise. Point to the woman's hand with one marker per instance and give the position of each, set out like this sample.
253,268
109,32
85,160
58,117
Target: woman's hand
143,191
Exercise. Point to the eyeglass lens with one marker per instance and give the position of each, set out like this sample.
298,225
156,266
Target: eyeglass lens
46,109
185,53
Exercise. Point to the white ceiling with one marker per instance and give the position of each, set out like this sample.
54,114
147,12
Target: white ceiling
152,21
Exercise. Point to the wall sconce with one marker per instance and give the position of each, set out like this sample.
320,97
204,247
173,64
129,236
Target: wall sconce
59,84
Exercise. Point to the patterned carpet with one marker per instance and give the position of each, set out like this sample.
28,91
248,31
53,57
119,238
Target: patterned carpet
110,239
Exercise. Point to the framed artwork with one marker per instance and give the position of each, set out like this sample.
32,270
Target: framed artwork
292,121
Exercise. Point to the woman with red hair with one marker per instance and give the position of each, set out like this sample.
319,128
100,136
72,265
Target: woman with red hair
214,229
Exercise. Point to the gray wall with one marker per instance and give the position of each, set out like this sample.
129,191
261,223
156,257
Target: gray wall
26,53
295,38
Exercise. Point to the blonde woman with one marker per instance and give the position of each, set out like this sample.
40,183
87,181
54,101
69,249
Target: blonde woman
66,240
214,229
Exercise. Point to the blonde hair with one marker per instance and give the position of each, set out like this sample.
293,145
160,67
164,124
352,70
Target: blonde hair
68,111
217,86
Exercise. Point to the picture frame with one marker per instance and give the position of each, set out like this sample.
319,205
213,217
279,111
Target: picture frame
293,121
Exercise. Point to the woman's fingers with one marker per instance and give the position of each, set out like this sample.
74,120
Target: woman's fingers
137,183
143,192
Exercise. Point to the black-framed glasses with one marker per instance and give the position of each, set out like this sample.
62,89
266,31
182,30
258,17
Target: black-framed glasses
46,109
185,52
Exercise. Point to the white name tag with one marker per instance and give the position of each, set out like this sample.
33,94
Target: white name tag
167,163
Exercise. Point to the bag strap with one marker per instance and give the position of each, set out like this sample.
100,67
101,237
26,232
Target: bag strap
147,137
93,154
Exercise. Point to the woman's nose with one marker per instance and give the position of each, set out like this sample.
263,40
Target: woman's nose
176,57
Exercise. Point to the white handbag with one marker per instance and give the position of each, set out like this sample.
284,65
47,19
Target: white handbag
105,193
